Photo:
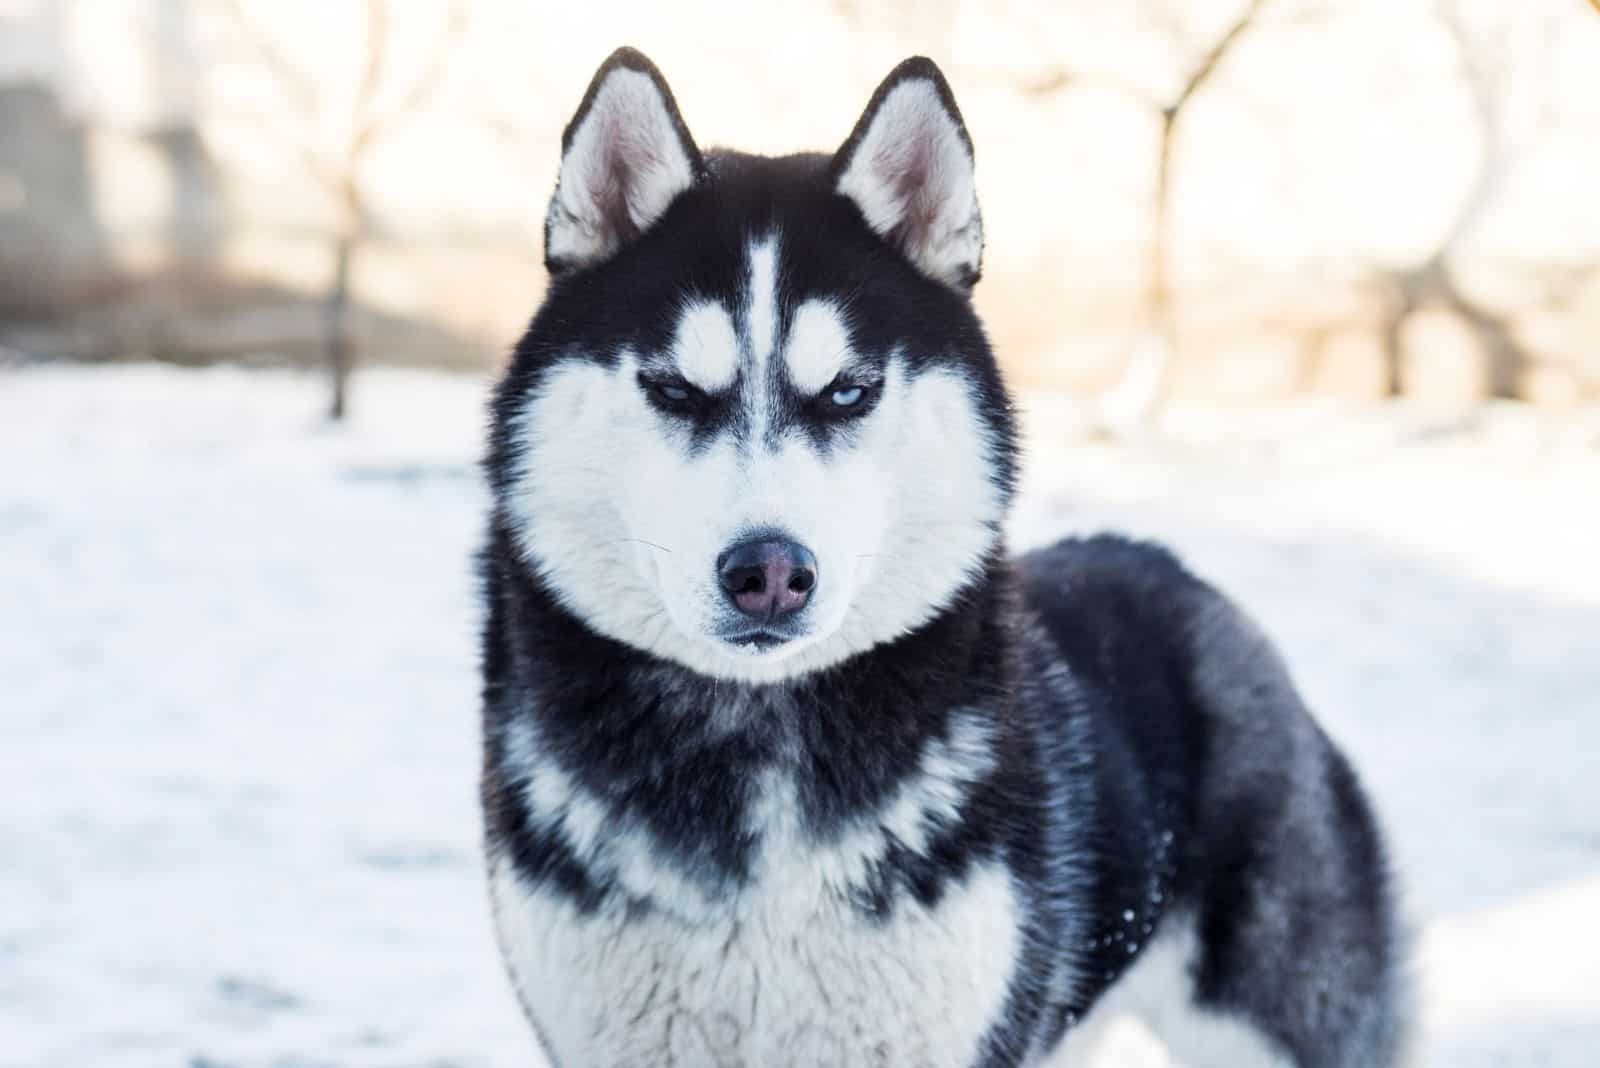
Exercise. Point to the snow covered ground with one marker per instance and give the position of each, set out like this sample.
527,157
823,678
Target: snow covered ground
238,724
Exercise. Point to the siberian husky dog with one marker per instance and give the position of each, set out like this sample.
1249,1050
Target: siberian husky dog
786,761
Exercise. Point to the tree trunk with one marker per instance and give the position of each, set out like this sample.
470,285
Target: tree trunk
1144,387
337,345
1160,313
1394,323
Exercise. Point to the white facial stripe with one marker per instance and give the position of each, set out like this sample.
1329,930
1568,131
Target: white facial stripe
818,346
761,311
761,319
706,347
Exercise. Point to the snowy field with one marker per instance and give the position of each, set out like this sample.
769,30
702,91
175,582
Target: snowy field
238,824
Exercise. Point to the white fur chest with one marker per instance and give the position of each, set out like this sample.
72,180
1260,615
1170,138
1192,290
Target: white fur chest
784,978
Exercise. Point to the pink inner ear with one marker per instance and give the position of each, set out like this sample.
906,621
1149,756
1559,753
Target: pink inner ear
907,168
626,157
912,179
626,160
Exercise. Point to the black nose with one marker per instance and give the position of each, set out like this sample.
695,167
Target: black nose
768,578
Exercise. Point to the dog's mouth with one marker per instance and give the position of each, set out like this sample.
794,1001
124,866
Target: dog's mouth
761,640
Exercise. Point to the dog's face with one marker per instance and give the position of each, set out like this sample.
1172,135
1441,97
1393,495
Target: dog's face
755,428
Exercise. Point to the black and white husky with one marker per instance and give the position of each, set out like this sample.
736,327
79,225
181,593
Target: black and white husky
786,761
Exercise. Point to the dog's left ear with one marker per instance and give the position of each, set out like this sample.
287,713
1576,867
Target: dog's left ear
908,166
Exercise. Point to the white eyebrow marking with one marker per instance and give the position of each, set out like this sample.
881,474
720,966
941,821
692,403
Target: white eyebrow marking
818,346
706,347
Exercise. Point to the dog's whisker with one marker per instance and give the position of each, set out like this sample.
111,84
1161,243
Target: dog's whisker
642,541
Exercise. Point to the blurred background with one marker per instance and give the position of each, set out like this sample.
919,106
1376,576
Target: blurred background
1243,201
1310,289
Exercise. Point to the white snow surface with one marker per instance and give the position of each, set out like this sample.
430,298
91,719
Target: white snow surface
238,702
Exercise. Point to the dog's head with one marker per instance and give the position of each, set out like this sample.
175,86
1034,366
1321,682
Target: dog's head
755,427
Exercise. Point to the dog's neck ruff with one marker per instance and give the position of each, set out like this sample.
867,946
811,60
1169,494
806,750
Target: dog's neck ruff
680,792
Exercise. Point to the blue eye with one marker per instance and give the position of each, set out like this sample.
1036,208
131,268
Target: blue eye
673,392
847,397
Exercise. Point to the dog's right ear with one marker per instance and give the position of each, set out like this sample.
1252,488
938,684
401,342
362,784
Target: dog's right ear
908,167
625,156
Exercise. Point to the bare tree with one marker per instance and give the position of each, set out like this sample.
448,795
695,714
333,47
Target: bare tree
1160,314
1432,281
340,171
1143,386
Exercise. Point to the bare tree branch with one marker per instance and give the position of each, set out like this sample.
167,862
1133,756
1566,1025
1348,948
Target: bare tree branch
1060,78
1432,280
1202,72
1143,387
371,124
433,71
1484,88
366,125
295,85
339,171
303,95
